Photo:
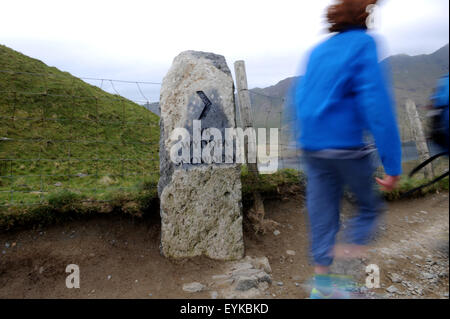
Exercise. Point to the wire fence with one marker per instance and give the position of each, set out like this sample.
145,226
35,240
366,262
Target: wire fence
268,113
271,111
61,133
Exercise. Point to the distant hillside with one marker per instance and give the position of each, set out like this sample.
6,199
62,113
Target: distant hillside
153,107
58,132
280,89
414,77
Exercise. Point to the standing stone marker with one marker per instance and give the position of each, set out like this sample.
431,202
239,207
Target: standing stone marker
201,198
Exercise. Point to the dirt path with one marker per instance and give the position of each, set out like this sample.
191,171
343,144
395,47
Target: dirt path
120,259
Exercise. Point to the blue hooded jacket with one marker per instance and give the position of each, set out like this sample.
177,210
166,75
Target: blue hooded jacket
441,100
343,94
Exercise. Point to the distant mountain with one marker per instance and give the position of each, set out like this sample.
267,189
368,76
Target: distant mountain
280,89
153,107
414,77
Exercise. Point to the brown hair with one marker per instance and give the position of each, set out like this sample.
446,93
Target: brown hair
348,13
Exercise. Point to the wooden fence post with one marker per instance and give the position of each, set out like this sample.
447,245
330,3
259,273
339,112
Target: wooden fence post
245,107
419,136
257,213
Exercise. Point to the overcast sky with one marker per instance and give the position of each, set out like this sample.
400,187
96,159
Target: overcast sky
137,40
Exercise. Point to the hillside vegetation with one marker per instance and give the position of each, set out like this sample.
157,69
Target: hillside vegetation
59,133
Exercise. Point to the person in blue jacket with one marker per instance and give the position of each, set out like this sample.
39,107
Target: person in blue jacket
344,94
440,101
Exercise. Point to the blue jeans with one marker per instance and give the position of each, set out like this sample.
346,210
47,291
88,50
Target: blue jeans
326,179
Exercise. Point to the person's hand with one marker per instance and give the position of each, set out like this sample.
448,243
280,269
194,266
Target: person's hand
388,183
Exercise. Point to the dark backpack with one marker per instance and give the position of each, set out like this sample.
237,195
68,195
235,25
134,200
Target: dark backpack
438,116
439,130
438,127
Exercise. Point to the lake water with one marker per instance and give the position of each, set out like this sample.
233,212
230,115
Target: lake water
409,153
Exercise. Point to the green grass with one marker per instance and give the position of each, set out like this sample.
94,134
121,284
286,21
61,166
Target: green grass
58,133
269,184
406,184
143,202
65,206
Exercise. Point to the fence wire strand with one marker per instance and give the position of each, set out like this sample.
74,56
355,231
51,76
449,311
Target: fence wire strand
54,137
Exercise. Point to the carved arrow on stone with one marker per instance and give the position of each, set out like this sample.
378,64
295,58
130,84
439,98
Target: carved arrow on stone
207,103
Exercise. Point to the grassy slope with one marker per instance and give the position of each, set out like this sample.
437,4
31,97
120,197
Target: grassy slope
53,116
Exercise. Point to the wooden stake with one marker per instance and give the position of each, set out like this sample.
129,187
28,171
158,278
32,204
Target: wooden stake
419,136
